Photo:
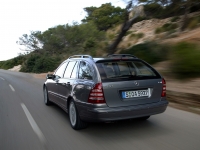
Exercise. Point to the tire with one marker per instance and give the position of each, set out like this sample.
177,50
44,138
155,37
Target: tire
46,97
143,118
74,118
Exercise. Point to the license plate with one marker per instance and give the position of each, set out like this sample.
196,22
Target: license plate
138,93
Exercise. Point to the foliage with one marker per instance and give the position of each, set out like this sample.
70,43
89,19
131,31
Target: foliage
136,36
174,19
6,64
150,52
40,63
168,8
30,42
186,62
166,27
66,38
139,35
153,10
128,32
89,44
12,62
104,16
193,22
57,41
111,36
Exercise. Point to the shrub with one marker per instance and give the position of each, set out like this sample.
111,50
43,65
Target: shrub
6,64
40,63
166,27
136,36
140,35
171,31
1,63
89,43
29,63
111,36
128,32
129,44
153,10
174,19
150,52
170,26
132,36
193,22
159,30
12,62
186,62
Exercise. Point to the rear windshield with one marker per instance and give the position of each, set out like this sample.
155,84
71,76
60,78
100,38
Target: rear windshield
126,70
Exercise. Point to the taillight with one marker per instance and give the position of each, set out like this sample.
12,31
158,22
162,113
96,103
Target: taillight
163,94
96,95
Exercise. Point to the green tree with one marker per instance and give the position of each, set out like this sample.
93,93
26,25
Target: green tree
63,38
30,42
104,16
53,39
171,7
187,5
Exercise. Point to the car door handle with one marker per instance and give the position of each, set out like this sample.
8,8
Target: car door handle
68,82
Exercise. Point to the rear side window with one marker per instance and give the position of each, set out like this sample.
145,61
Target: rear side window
85,71
126,70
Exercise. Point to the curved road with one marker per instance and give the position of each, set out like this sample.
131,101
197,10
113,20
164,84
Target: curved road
26,123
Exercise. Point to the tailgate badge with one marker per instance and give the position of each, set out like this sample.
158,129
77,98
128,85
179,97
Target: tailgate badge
136,83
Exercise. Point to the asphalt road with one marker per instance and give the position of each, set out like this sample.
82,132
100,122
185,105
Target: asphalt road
26,123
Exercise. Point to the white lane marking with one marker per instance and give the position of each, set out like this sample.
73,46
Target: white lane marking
12,88
2,78
34,125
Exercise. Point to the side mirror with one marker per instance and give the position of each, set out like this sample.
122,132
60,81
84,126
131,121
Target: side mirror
50,76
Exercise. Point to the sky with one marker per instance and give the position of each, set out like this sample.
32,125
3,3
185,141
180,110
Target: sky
18,17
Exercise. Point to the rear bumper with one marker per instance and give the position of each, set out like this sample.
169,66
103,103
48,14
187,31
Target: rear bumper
111,114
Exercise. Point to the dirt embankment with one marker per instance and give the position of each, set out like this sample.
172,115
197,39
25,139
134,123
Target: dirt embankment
15,68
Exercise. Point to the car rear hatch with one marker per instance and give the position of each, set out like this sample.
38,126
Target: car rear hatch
129,82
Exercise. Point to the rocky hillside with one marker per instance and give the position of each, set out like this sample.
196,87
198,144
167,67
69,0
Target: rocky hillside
146,31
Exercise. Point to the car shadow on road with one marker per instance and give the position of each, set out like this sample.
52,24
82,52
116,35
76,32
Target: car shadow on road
126,129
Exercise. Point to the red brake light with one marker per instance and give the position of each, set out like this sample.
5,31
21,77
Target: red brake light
163,88
96,95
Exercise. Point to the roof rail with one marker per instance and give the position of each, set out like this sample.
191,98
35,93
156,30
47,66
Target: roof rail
81,56
121,55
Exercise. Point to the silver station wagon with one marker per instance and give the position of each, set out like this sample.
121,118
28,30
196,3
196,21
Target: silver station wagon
120,86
